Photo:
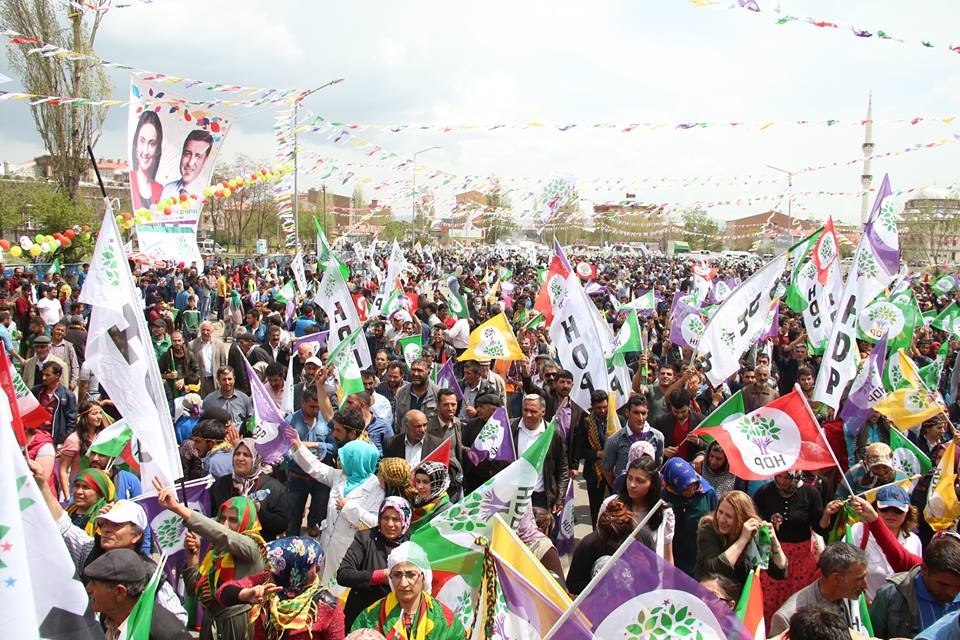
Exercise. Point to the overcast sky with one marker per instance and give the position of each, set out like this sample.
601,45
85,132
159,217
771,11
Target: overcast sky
454,63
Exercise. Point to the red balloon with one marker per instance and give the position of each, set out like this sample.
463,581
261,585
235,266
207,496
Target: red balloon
166,211
219,193
70,233
183,197
5,245
65,242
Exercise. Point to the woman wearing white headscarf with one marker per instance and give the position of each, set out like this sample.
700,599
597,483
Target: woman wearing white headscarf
409,612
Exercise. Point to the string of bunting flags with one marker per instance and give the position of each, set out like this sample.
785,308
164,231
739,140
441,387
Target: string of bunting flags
283,192
47,50
782,19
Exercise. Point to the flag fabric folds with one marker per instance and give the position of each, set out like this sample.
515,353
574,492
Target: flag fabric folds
750,607
348,370
494,339
267,435
780,436
41,597
639,595
912,403
942,505
120,353
494,442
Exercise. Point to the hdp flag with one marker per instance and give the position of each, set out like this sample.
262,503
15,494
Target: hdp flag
493,339
942,505
780,436
494,442
911,403
750,606
267,433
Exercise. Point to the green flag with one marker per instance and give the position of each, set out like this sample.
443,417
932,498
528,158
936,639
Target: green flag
799,256
286,293
944,285
55,267
392,304
895,316
504,273
906,456
930,374
534,322
947,320
627,339
348,371
323,247
137,624
411,348
730,409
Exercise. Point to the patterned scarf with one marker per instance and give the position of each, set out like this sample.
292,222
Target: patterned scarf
423,621
596,438
218,566
100,482
290,561
244,484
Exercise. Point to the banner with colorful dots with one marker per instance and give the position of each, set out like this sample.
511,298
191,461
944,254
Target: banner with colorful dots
173,151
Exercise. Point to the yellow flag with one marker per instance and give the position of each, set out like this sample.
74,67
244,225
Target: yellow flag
492,296
495,340
613,420
511,549
912,404
942,505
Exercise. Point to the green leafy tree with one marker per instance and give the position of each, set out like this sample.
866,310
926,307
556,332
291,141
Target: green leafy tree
65,130
499,224
701,231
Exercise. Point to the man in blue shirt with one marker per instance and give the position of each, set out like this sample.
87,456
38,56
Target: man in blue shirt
378,429
318,437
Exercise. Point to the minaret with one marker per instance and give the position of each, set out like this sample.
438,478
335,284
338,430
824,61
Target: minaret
867,178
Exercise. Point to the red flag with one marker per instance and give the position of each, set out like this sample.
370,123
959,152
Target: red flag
781,436
543,302
360,302
825,251
586,270
6,380
440,454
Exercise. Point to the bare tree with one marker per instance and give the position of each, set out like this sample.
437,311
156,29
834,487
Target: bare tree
930,229
249,212
66,130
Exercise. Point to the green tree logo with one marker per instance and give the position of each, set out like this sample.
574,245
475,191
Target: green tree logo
761,431
491,343
867,265
664,622
169,532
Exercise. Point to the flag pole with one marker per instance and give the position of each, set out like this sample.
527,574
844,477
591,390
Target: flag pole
806,405
895,483
603,571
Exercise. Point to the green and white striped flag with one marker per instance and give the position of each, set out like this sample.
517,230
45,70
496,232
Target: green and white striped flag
948,320
411,348
348,371
627,339
111,441
286,293
906,456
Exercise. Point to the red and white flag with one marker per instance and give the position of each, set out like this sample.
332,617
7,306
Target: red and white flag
778,437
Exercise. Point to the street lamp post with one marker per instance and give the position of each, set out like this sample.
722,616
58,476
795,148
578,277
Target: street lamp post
413,197
296,154
789,197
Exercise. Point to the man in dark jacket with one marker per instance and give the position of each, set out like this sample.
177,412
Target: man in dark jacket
115,582
551,489
58,401
677,425
911,601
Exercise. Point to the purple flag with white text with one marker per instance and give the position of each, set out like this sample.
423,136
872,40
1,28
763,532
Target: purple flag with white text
566,538
867,389
686,325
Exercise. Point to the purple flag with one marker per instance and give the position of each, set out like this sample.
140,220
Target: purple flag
686,325
867,389
774,329
888,254
167,528
447,380
318,338
565,537
270,441
636,593
494,442
563,257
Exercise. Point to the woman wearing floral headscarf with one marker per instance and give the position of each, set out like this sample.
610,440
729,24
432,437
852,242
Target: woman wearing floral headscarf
409,612
691,497
251,479
236,550
431,480
364,567
92,491
288,600
356,493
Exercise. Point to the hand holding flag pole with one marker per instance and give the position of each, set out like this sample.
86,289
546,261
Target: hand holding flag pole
806,405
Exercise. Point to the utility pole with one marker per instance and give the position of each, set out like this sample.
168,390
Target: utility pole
323,190
413,197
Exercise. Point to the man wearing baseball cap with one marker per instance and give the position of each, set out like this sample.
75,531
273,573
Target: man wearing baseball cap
876,470
115,582
121,527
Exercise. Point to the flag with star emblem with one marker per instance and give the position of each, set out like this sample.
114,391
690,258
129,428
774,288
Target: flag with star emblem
41,598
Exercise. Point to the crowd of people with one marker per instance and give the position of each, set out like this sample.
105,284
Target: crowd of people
285,540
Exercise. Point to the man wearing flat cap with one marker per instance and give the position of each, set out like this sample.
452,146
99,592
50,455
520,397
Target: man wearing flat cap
115,582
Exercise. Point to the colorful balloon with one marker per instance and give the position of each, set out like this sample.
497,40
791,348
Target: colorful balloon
16,252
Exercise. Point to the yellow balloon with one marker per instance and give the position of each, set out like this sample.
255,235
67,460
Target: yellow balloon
226,193
16,251
35,250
